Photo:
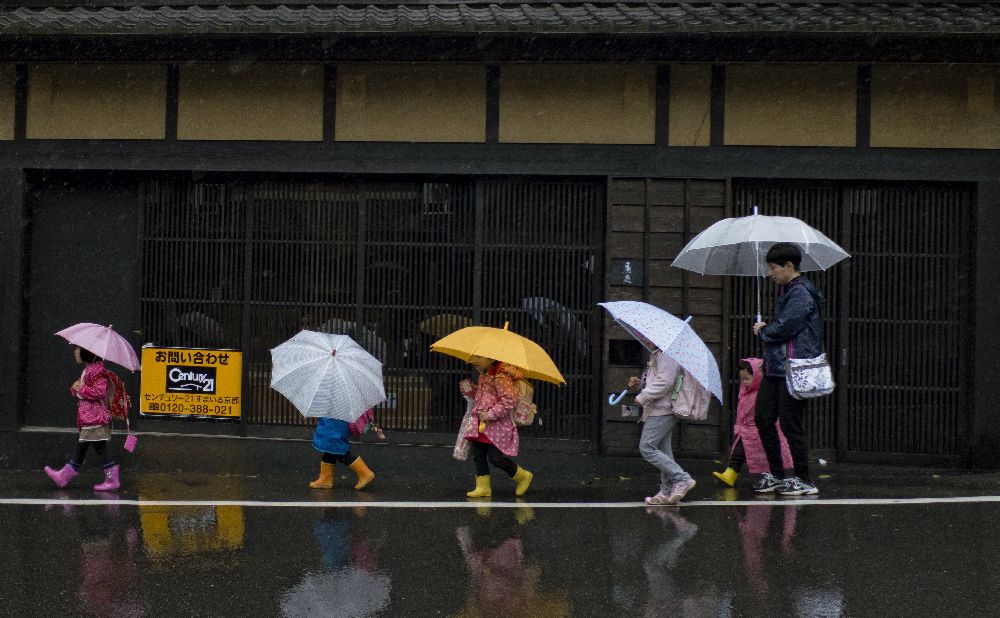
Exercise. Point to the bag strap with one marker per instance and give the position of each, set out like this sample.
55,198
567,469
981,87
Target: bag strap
678,385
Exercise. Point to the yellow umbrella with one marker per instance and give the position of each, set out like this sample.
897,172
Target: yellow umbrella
443,323
502,345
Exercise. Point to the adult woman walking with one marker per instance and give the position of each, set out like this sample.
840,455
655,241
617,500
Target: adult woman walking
796,331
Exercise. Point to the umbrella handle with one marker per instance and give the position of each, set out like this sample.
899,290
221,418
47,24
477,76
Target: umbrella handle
615,400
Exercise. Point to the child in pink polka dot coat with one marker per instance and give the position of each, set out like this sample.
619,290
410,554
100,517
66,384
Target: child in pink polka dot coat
494,438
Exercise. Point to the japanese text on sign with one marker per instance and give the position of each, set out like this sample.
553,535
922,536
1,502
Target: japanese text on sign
190,382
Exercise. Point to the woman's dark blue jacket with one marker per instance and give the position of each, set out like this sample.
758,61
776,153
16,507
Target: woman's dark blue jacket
798,320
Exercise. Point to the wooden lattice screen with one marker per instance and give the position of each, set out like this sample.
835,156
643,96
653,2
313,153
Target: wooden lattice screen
394,264
898,311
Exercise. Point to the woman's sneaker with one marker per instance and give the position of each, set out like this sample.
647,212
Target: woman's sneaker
767,484
795,486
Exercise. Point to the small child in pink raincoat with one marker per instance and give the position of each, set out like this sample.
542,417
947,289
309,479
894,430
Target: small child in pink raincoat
491,431
93,420
747,446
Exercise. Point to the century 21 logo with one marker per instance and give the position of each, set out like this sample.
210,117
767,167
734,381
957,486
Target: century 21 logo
181,379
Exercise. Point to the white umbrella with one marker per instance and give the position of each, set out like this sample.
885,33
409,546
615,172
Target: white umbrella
369,340
673,336
327,375
350,592
739,246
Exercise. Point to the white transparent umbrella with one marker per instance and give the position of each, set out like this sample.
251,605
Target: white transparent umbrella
348,591
738,246
673,336
327,375
369,340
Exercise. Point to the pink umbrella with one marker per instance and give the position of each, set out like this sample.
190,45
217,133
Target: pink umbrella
103,342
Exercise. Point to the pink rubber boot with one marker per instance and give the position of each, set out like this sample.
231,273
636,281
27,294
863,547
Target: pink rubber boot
110,480
61,477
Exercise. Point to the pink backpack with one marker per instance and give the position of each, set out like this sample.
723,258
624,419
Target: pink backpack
690,399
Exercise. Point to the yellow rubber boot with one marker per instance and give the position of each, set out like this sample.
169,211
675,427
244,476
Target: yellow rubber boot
365,475
522,479
482,489
728,476
325,480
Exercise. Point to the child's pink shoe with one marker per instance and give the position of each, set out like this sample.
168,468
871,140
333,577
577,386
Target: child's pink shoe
660,499
680,490
110,480
61,477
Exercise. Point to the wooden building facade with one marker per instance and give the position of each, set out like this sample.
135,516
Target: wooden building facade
223,175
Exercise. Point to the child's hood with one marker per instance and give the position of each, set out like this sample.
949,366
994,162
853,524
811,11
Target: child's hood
757,364
512,371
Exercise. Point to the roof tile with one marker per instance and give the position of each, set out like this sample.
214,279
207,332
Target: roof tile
574,17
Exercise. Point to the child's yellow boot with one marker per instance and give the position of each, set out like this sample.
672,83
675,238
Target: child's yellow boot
365,475
325,480
522,478
482,489
728,476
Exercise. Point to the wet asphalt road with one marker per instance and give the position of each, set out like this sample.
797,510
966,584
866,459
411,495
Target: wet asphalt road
367,558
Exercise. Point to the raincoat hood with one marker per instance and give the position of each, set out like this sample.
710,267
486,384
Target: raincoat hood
809,287
757,367
512,371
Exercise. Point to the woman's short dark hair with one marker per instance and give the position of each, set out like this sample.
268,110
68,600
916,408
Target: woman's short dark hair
89,357
784,252
746,366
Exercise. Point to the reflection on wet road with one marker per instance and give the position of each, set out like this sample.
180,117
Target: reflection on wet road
764,560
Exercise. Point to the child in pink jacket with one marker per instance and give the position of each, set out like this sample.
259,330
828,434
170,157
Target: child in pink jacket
93,420
658,384
746,440
492,433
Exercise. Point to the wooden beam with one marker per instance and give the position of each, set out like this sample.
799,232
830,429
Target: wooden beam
662,123
173,101
329,102
863,120
13,315
20,102
718,105
500,159
493,104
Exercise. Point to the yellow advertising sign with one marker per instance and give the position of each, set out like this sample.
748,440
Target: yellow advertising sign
191,382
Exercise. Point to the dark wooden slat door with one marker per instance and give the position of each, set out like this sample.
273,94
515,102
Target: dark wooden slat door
908,319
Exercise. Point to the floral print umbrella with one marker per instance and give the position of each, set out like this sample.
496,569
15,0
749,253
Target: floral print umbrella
655,328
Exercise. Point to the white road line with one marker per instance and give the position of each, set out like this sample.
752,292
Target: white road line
501,505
